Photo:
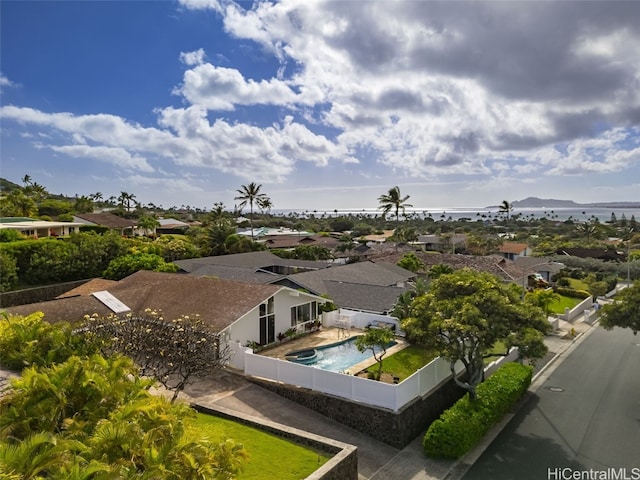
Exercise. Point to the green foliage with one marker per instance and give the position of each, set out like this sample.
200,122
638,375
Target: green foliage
341,224
8,272
127,264
411,262
570,292
54,208
94,418
30,341
10,235
465,313
462,426
624,312
82,255
377,340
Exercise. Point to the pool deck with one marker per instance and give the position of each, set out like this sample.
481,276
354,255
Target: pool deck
327,336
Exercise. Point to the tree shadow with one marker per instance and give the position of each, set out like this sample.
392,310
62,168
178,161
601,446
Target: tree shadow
523,456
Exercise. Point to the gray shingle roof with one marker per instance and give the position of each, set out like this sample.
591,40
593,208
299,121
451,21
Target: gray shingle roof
252,259
370,298
364,273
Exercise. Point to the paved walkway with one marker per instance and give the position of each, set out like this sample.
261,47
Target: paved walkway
376,460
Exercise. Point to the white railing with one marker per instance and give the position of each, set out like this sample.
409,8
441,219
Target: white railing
379,394
344,318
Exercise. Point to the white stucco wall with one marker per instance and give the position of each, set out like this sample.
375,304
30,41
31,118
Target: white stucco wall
247,328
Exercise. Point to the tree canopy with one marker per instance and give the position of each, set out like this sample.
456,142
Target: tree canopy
624,312
466,314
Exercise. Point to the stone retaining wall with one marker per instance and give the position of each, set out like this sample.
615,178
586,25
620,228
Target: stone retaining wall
396,429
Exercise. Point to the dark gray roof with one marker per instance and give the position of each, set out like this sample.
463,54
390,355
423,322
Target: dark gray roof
239,274
380,274
251,259
369,298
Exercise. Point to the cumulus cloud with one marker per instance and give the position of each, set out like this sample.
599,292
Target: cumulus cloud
423,89
449,85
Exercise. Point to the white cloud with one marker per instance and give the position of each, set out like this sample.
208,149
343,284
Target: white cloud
116,156
192,58
221,88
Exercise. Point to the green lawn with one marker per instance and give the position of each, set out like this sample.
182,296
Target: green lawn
269,455
407,361
565,302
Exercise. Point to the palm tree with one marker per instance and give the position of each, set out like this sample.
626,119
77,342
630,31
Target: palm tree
148,223
265,204
125,200
505,209
394,201
26,180
250,194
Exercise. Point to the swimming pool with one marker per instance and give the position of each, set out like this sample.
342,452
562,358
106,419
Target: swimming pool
336,357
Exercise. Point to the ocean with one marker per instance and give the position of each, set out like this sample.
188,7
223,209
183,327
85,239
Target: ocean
580,214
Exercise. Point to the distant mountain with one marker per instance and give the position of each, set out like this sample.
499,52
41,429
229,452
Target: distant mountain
534,202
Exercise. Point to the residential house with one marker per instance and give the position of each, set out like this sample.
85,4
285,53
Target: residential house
39,228
443,243
546,267
123,226
513,250
365,286
240,312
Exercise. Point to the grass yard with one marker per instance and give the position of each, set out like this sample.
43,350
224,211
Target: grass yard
564,302
269,456
407,361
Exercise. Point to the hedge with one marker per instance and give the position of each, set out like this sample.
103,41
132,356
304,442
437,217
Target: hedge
463,425
570,292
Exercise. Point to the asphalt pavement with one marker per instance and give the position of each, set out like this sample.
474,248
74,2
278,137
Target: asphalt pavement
582,417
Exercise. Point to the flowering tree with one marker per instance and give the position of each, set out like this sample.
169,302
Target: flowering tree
172,352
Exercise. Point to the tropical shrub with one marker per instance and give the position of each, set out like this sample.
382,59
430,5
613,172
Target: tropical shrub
125,265
30,341
8,272
95,418
464,424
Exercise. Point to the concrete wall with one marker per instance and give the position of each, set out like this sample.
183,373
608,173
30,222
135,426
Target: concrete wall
343,464
578,310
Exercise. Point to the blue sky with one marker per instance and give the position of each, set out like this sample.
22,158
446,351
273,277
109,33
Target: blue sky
326,104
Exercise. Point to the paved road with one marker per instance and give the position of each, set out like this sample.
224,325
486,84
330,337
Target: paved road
585,415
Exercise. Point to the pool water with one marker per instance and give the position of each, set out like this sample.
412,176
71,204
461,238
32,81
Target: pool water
338,357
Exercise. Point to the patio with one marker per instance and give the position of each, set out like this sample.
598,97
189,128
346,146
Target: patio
327,336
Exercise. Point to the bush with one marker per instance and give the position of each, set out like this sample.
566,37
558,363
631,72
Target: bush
31,341
570,292
462,426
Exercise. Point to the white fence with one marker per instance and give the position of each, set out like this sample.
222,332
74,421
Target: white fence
346,319
576,311
371,392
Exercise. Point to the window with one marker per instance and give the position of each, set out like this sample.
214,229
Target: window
267,322
304,313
